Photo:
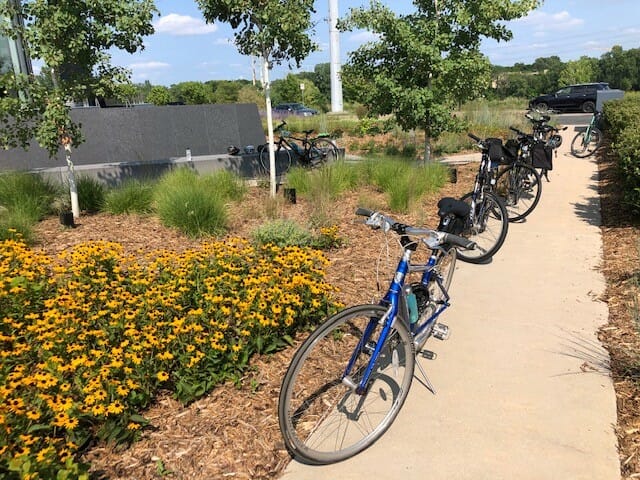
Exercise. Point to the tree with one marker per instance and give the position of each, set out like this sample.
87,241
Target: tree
621,68
584,70
251,94
160,95
548,78
274,30
426,63
225,91
192,93
72,38
288,90
321,77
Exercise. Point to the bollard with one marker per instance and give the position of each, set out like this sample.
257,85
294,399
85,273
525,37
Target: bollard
290,195
66,219
453,175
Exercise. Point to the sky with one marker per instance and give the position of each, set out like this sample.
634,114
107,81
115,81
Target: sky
185,48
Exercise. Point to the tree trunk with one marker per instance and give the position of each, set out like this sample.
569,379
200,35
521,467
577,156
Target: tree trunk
71,178
427,148
272,154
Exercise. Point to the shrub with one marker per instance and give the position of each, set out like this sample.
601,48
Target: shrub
190,203
30,192
623,119
91,193
132,196
282,233
227,184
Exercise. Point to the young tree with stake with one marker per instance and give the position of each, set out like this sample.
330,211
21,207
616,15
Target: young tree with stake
274,30
72,38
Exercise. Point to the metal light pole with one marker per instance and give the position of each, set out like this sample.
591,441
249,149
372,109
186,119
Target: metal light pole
334,49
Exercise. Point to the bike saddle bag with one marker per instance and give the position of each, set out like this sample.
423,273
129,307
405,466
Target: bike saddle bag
542,156
498,154
453,214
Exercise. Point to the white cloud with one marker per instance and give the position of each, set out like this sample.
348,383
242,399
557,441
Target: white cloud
148,66
363,37
223,41
181,25
543,21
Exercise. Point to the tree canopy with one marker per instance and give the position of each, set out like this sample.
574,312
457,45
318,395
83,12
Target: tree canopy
72,38
426,63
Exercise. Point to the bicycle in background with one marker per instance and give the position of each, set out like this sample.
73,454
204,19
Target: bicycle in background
486,221
349,379
586,142
310,152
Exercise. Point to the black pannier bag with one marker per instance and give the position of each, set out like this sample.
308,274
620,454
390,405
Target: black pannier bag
542,156
498,154
453,214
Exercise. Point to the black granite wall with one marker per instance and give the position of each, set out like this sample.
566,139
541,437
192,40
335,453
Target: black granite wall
149,134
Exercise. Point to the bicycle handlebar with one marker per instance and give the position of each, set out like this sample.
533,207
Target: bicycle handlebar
473,137
378,220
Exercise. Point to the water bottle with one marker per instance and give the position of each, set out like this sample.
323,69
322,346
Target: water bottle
412,304
188,154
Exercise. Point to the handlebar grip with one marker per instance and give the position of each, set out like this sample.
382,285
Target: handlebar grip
364,212
516,130
459,241
472,136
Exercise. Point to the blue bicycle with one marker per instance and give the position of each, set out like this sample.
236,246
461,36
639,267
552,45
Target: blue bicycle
349,379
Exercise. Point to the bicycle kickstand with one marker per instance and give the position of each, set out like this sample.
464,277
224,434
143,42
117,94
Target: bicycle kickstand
427,383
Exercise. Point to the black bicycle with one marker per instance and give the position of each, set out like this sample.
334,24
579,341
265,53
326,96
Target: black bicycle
310,152
486,219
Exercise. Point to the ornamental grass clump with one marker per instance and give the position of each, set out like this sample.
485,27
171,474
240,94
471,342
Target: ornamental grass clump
89,337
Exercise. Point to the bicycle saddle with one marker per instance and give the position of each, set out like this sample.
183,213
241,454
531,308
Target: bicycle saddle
448,205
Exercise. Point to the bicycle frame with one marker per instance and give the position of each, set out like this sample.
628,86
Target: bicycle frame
590,127
395,300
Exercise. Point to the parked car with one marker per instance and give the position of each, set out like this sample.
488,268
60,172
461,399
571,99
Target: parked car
294,109
580,97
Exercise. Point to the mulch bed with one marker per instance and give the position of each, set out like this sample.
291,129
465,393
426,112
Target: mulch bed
233,432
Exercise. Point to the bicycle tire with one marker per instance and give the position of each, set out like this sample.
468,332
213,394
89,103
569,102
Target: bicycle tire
582,149
323,421
520,187
283,159
434,298
322,151
489,232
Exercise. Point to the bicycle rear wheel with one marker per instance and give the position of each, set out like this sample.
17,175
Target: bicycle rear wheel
488,231
283,159
520,187
324,421
322,151
582,147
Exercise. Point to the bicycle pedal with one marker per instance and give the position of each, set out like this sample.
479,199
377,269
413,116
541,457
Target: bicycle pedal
428,354
440,331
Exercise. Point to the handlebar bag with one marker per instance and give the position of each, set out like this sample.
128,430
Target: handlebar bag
542,156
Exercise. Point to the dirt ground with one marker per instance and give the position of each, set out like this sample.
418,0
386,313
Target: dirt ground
233,432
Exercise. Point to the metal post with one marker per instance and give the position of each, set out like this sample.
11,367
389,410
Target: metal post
334,49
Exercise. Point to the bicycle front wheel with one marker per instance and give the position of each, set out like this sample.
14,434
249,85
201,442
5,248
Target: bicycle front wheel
488,229
282,158
520,187
322,151
585,144
321,418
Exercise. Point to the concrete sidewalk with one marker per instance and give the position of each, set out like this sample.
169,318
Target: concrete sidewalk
523,387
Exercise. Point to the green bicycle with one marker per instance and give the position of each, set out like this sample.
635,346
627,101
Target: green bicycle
586,142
